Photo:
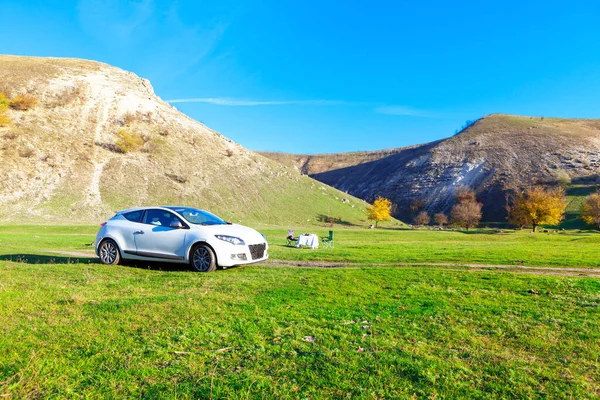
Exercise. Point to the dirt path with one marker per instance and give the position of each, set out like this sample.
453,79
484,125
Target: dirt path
543,270
93,192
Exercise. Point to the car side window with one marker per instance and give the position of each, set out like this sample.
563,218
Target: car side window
160,218
134,216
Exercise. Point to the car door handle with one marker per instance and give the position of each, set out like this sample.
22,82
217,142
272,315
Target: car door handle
138,232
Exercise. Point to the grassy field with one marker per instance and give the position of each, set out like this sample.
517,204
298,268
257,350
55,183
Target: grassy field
79,329
360,247
364,247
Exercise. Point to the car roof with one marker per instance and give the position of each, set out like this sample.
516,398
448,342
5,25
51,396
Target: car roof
169,208
141,208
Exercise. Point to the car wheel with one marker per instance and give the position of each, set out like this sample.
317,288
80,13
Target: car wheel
203,259
109,252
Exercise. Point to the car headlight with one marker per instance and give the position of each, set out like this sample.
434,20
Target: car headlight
230,239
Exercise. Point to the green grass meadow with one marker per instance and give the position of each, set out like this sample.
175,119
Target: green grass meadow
377,328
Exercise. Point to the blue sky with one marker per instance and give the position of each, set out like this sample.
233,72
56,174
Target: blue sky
327,76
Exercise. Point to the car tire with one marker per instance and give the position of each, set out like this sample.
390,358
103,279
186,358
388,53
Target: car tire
202,258
109,253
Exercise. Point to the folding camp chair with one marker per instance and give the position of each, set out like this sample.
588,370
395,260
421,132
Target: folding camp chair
327,241
290,239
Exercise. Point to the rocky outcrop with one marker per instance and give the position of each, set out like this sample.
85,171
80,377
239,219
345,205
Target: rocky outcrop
495,156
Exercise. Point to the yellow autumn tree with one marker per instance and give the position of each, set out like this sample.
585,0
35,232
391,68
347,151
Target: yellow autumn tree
590,210
381,210
538,206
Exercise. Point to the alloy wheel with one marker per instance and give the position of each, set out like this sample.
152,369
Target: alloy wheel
202,259
108,252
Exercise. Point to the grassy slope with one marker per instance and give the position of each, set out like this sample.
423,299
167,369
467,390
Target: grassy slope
576,195
56,163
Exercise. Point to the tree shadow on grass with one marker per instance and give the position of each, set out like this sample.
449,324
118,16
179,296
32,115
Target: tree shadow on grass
332,221
484,231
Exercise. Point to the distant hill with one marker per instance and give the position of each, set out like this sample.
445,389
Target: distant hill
62,160
495,155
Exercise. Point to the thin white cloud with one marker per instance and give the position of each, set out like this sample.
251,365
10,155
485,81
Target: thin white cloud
234,102
405,111
224,101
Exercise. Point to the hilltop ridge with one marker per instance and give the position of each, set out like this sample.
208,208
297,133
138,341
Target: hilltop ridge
496,155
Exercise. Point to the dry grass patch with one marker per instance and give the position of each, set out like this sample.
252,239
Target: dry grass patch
128,118
67,96
23,102
129,140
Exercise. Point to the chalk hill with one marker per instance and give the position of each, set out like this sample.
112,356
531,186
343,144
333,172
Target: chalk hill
496,155
62,160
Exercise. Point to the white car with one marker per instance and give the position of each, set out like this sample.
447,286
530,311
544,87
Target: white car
180,235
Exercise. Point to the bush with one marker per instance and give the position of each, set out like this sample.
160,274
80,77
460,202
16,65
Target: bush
4,101
67,95
4,117
128,118
562,178
23,102
128,141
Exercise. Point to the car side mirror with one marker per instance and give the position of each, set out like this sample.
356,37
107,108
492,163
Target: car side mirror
176,225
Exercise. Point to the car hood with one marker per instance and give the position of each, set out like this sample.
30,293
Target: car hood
248,235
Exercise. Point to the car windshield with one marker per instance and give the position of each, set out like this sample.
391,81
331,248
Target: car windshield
198,217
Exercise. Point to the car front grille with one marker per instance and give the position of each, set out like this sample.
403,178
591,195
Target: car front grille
257,250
